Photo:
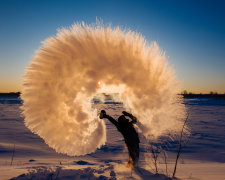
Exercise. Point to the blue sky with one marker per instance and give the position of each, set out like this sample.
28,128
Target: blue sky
192,34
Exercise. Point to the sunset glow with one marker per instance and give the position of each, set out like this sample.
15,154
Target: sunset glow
191,33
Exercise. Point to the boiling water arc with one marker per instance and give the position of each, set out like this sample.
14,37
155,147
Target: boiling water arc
70,68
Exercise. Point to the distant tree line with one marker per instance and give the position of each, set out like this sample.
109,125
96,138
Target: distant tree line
185,94
10,94
211,94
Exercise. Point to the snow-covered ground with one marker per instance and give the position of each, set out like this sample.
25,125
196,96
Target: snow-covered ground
202,158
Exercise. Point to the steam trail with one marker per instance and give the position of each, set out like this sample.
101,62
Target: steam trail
70,68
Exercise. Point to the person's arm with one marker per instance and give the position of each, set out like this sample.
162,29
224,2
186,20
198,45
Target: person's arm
112,120
104,115
133,118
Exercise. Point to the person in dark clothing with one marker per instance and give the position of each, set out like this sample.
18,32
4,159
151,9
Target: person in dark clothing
126,128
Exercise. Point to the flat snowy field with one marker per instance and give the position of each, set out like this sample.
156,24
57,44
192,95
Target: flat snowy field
23,155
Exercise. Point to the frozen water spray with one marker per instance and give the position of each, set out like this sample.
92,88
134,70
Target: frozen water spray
76,64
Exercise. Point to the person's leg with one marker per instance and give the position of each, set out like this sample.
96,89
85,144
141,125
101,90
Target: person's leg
131,155
136,154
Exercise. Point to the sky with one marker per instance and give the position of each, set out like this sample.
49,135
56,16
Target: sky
190,32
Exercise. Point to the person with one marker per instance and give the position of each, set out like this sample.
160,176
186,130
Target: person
126,128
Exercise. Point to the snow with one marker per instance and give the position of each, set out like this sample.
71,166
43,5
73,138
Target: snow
203,158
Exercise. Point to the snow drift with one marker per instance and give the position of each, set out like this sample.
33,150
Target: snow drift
72,67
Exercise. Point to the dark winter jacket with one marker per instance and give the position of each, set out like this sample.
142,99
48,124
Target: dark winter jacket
127,130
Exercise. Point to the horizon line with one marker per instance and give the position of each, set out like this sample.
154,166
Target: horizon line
181,93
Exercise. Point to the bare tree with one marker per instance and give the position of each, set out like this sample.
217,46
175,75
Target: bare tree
155,154
12,155
181,145
165,160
